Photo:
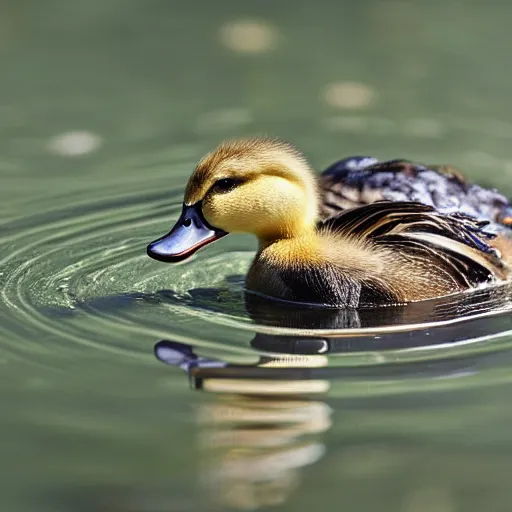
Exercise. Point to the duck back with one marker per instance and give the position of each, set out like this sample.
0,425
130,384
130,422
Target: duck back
357,181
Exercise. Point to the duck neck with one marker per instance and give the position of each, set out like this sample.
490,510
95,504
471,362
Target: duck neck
294,212
301,232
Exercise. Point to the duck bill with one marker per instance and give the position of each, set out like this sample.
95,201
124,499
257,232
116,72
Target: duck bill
189,234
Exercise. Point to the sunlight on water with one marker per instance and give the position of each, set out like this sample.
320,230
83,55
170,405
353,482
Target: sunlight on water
248,36
348,95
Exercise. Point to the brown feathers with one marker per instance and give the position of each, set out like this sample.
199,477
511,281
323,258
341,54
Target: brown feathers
380,253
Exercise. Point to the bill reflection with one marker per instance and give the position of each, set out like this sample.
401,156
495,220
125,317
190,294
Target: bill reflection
263,426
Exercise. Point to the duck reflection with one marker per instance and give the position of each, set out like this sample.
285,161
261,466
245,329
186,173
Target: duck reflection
468,315
267,420
290,315
264,425
452,319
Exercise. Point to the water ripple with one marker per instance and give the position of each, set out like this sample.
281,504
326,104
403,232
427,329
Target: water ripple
78,276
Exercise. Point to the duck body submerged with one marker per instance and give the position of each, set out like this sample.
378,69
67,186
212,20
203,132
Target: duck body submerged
364,233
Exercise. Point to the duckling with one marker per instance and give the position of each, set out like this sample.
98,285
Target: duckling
379,253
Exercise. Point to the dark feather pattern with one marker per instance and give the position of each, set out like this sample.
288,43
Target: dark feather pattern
407,227
456,246
326,284
377,219
321,285
356,181
459,267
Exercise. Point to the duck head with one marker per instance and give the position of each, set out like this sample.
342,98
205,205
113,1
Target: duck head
260,186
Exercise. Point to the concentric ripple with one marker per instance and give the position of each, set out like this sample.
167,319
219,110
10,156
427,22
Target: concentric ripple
79,276
82,274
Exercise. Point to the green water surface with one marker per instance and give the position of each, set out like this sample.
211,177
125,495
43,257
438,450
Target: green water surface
105,106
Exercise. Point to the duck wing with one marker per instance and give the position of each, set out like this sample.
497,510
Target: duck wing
456,241
357,181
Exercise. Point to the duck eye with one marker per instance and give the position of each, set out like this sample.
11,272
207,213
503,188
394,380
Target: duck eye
226,184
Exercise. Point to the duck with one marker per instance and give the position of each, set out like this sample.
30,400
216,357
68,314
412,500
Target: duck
363,234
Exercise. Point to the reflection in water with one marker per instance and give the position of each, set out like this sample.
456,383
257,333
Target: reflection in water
445,309
263,426
267,420
467,317
266,311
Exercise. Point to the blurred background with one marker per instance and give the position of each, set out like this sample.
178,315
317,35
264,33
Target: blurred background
105,107
95,94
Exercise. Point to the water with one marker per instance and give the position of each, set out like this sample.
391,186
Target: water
105,108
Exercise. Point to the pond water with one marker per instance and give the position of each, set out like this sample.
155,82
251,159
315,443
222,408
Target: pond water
105,106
